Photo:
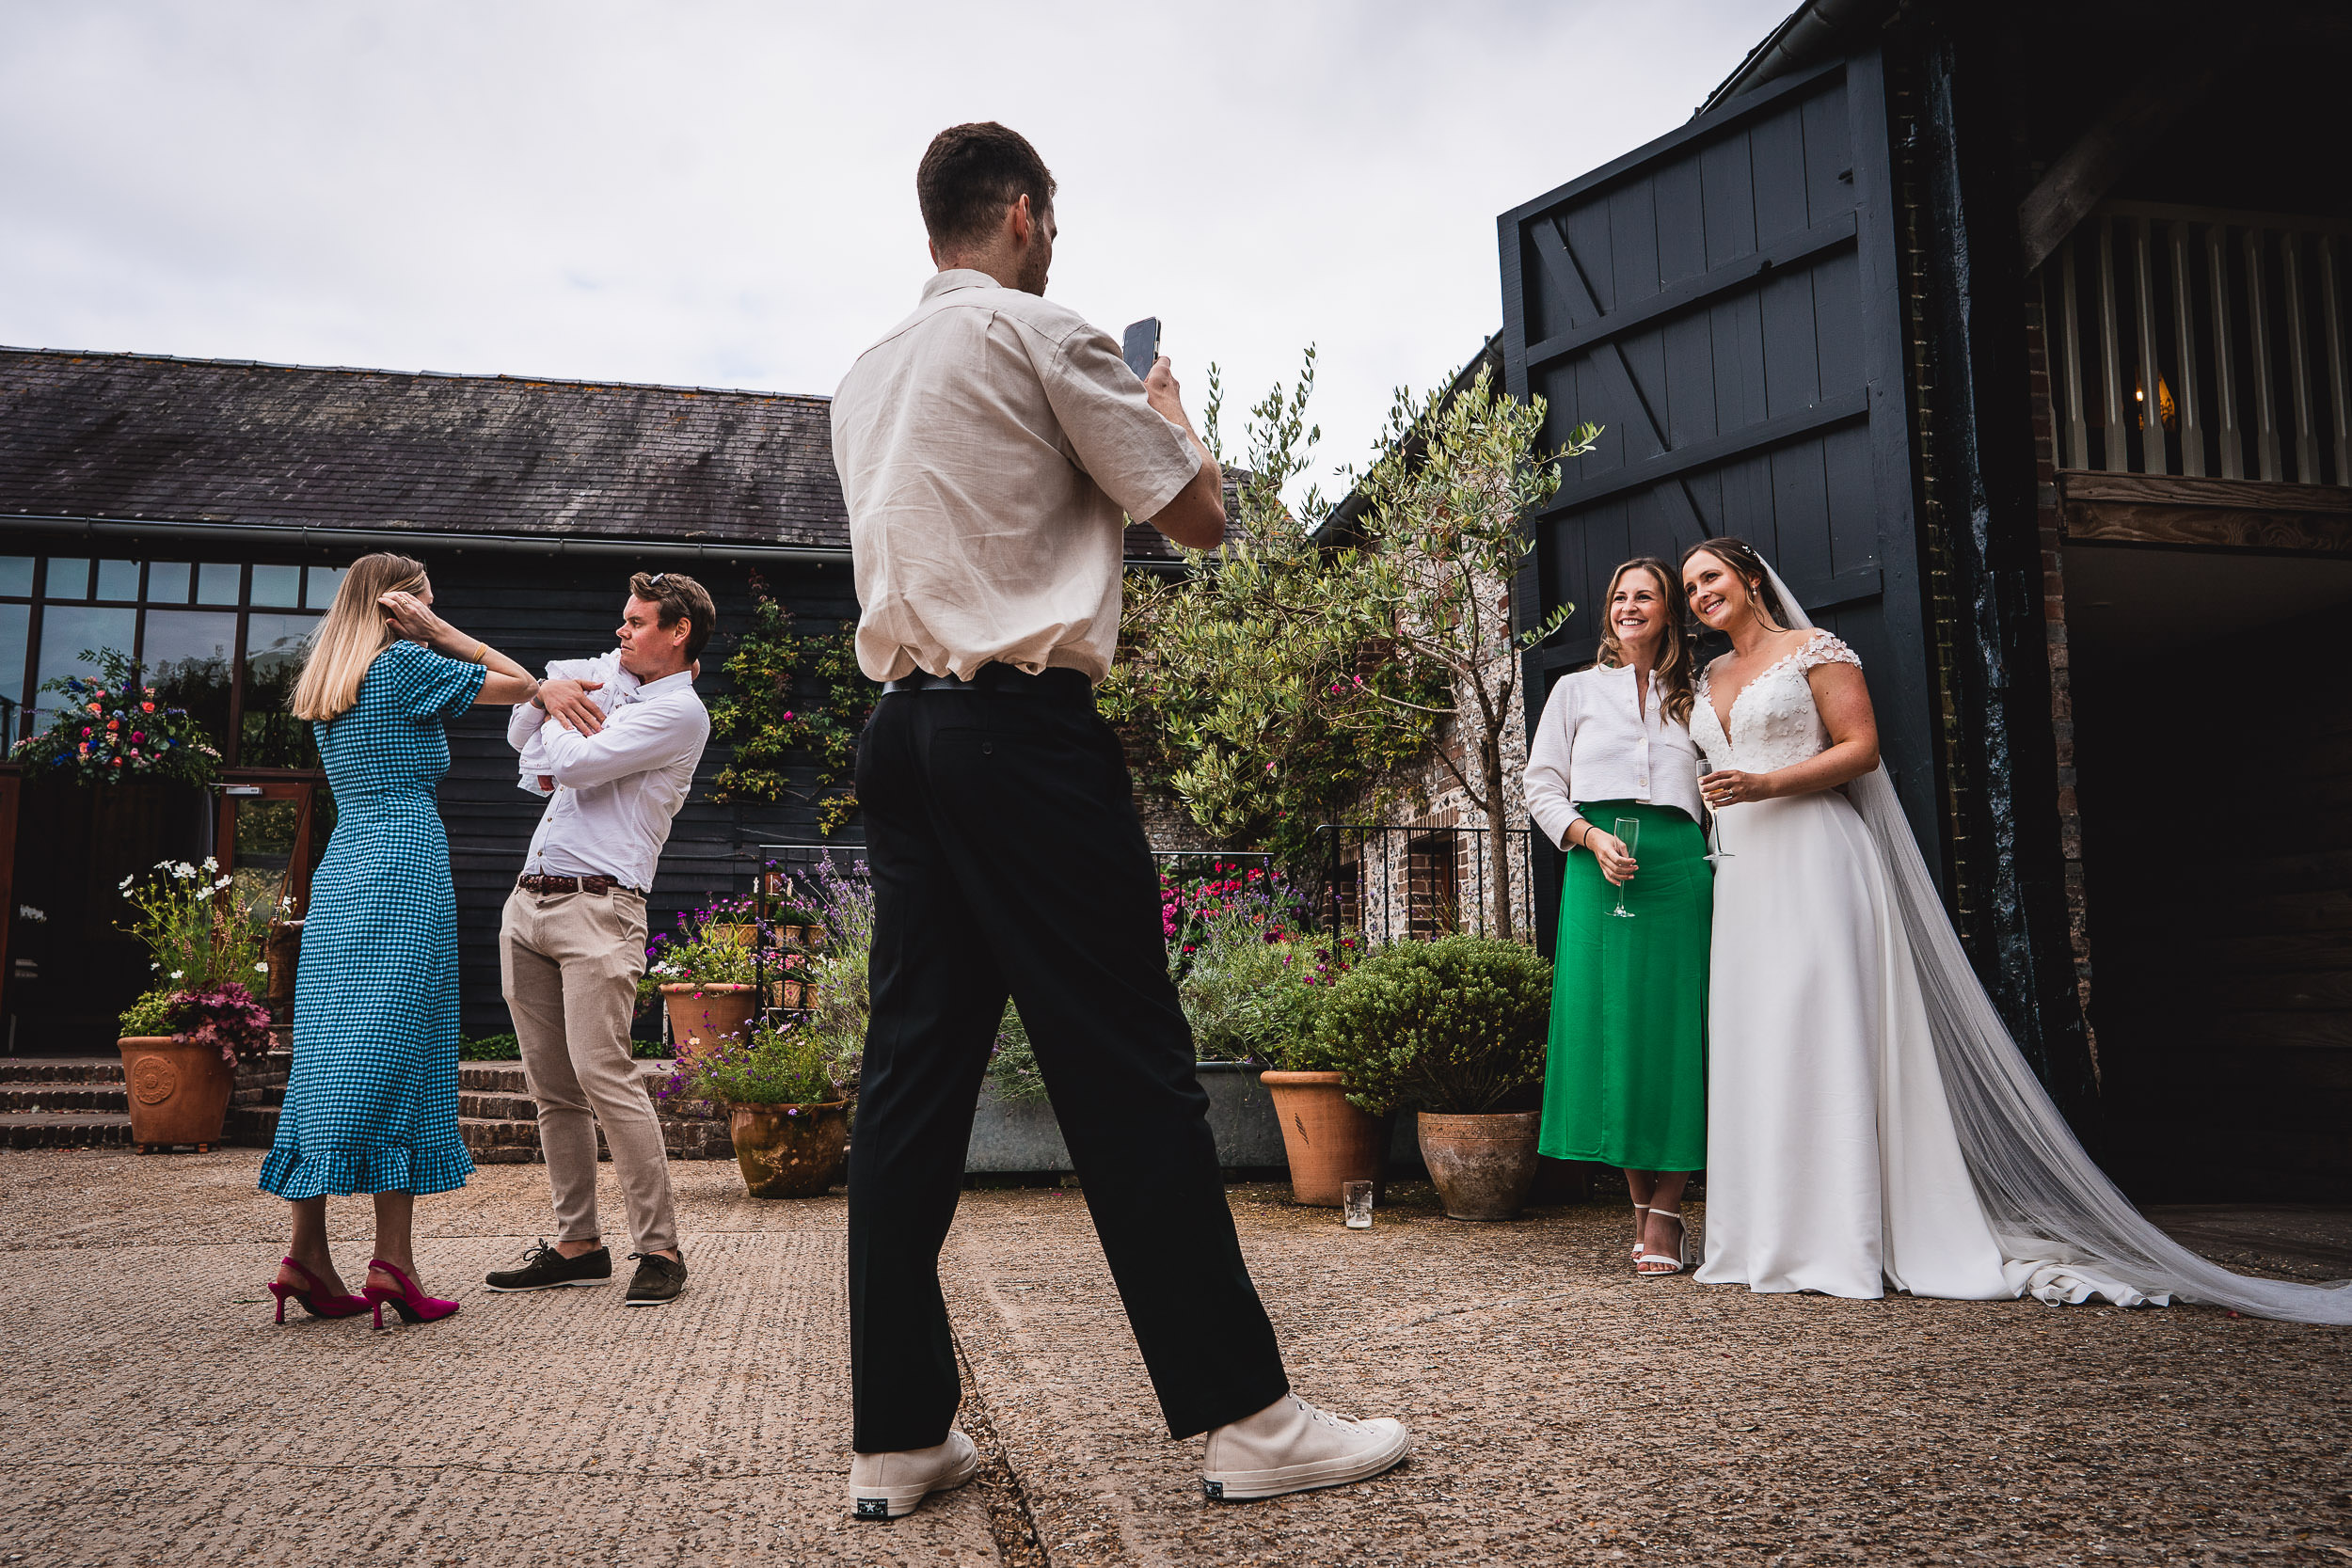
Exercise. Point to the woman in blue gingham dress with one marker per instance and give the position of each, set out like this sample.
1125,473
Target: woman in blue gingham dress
372,1102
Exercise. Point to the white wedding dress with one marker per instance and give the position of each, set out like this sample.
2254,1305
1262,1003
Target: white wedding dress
1869,1120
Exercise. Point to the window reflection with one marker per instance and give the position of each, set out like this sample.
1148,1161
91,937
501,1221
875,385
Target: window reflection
324,582
190,659
278,585
276,645
167,582
16,574
218,584
68,631
15,623
67,580
266,844
117,579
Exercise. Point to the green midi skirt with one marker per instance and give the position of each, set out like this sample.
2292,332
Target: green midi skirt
1626,1081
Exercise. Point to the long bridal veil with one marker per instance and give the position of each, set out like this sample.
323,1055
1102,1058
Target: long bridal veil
2042,1196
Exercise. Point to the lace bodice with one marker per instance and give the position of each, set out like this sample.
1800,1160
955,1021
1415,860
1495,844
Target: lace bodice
1773,722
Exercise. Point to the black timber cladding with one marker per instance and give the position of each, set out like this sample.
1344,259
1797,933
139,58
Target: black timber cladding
1724,301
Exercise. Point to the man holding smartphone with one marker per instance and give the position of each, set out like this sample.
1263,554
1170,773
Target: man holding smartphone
989,447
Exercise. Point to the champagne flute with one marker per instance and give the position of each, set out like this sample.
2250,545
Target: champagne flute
1716,854
1629,835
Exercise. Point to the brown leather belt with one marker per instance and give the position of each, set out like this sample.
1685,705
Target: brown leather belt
571,884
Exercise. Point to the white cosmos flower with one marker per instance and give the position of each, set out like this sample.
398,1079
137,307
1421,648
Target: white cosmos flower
222,883
177,973
211,864
261,968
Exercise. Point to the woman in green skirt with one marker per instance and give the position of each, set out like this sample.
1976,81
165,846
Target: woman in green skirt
1612,778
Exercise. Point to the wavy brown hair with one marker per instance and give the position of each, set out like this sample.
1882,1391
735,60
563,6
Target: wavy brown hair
1741,558
1678,653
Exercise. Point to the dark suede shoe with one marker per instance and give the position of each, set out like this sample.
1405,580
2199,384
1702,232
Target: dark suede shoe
659,1280
546,1269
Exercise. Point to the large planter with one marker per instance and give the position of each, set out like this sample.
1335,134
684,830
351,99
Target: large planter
179,1093
1482,1166
790,1150
700,1014
1330,1141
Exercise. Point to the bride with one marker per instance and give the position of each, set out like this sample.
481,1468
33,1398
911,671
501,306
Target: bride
1871,1119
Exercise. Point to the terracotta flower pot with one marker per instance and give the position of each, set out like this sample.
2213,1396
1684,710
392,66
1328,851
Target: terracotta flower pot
179,1093
1329,1140
1482,1166
701,1014
790,1150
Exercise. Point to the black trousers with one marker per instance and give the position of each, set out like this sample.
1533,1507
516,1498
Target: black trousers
1006,859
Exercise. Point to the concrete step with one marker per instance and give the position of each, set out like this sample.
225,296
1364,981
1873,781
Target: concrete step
64,1130
79,1097
507,1077
60,1069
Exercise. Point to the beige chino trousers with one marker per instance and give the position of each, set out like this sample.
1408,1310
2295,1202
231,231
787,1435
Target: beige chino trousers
570,962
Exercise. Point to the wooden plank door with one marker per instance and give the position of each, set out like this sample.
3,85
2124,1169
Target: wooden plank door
1725,302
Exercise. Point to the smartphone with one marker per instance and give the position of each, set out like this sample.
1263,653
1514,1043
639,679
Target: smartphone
1142,345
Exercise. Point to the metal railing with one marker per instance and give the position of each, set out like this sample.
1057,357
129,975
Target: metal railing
1397,883
2203,343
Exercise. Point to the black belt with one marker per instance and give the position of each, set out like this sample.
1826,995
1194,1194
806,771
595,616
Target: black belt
574,884
999,678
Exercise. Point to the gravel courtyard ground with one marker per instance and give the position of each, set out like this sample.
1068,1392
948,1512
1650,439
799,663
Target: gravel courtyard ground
1566,1412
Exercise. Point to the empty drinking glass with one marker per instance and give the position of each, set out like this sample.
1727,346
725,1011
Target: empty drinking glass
1356,1199
1629,835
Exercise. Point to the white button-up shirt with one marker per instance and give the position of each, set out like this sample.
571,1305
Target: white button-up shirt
1594,742
987,446
617,790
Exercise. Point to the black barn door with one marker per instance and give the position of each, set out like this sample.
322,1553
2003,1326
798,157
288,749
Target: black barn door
1724,301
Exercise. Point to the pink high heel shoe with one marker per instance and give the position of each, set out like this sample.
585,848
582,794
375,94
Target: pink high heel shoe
413,1304
315,1297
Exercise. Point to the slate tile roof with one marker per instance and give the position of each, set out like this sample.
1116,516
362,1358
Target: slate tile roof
146,436
141,437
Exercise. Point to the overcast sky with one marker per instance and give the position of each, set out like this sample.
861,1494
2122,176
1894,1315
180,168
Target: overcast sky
722,195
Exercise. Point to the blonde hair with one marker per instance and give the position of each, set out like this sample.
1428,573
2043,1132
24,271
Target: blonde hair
352,635
1677,652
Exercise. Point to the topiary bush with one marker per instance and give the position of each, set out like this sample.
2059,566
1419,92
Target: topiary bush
1454,1025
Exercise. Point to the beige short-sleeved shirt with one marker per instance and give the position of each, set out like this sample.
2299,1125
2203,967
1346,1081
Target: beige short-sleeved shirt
988,445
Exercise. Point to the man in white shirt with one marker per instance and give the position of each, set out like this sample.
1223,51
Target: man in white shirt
988,447
613,742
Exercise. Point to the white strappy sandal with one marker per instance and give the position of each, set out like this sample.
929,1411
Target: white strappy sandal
1639,1210
1681,1259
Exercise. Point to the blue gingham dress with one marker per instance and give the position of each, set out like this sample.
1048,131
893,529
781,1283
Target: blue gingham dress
372,1104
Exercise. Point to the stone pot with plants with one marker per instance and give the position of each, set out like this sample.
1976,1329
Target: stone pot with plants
788,1118
703,973
1454,1028
1257,995
183,1040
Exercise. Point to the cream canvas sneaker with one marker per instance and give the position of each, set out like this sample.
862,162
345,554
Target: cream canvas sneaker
1290,1446
886,1485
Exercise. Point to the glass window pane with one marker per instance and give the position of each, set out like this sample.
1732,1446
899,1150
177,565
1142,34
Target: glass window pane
276,645
15,619
278,585
167,582
68,578
66,632
117,579
188,654
324,580
16,574
216,584
265,842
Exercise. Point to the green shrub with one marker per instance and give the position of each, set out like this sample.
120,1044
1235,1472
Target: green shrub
490,1048
1249,999
1453,1025
775,1067
1012,1061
